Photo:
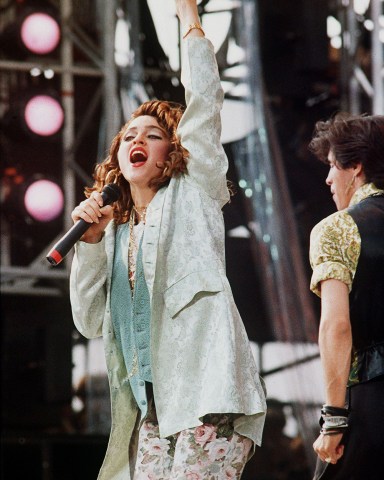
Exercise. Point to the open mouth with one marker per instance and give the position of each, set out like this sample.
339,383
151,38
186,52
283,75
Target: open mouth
138,156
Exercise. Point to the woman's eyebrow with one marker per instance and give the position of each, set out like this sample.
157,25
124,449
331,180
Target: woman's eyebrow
147,127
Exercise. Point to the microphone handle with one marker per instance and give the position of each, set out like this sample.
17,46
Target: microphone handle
64,245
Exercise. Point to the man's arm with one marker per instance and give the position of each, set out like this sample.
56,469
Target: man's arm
335,342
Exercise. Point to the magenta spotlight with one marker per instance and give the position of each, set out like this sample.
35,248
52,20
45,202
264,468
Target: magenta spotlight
44,115
40,33
44,200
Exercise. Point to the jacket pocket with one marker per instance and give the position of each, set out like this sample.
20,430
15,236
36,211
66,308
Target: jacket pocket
182,293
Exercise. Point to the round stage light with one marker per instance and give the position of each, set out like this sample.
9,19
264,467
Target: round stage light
44,115
44,200
40,33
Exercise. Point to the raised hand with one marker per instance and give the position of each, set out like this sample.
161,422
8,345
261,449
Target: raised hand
187,12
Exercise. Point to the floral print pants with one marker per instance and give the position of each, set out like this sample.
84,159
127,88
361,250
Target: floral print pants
212,451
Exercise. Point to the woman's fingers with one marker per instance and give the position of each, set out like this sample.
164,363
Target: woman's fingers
90,210
97,197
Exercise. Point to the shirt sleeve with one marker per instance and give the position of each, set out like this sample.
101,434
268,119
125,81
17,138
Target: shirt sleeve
88,287
200,127
334,250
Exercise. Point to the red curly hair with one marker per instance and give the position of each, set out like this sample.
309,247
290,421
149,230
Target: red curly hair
168,115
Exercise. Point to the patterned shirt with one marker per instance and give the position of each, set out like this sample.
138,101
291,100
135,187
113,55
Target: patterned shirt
334,253
335,244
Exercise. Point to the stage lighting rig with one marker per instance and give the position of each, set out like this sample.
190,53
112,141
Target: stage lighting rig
33,28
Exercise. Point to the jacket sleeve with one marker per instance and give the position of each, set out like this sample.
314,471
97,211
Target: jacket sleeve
88,292
200,127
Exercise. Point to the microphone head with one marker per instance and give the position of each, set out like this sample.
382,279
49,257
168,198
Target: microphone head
111,193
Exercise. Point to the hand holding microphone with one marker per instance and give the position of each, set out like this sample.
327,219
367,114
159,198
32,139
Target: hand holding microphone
96,214
91,217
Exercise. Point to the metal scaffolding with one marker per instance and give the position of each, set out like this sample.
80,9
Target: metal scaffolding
362,66
99,63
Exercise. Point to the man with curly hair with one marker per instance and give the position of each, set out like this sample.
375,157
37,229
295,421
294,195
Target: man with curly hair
347,257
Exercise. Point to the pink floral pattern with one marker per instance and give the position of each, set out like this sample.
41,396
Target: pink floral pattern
212,451
204,433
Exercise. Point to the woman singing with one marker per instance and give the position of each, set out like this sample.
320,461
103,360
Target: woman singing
149,276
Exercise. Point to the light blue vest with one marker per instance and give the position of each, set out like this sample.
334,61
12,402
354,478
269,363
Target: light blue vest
131,318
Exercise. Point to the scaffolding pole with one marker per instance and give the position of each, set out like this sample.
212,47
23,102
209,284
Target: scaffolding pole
17,280
377,7
359,87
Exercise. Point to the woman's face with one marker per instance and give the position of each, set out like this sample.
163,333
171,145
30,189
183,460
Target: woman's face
342,182
143,150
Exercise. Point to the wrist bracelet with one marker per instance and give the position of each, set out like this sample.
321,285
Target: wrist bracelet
334,427
331,432
334,411
334,421
193,26
333,418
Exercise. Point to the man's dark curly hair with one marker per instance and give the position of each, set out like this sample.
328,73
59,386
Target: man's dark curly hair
353,139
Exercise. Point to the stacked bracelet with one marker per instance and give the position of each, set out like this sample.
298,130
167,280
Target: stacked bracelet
193,26
333,420
330,432
328,410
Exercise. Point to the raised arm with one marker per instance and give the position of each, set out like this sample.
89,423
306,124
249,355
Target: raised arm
187,12
200,127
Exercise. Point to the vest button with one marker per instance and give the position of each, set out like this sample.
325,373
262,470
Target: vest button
141,383
143,402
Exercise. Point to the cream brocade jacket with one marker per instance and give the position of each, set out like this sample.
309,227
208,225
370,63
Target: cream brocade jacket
200,354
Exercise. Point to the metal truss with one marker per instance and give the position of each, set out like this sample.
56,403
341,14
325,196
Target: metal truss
362,67
99,63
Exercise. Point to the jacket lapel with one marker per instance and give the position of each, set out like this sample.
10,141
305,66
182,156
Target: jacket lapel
151,237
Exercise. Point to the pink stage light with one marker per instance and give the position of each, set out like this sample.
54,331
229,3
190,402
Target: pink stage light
44,200
44,115
40,33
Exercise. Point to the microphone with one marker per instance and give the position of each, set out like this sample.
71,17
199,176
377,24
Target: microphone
110,194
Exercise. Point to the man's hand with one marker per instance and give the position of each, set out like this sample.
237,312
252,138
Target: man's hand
328,447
